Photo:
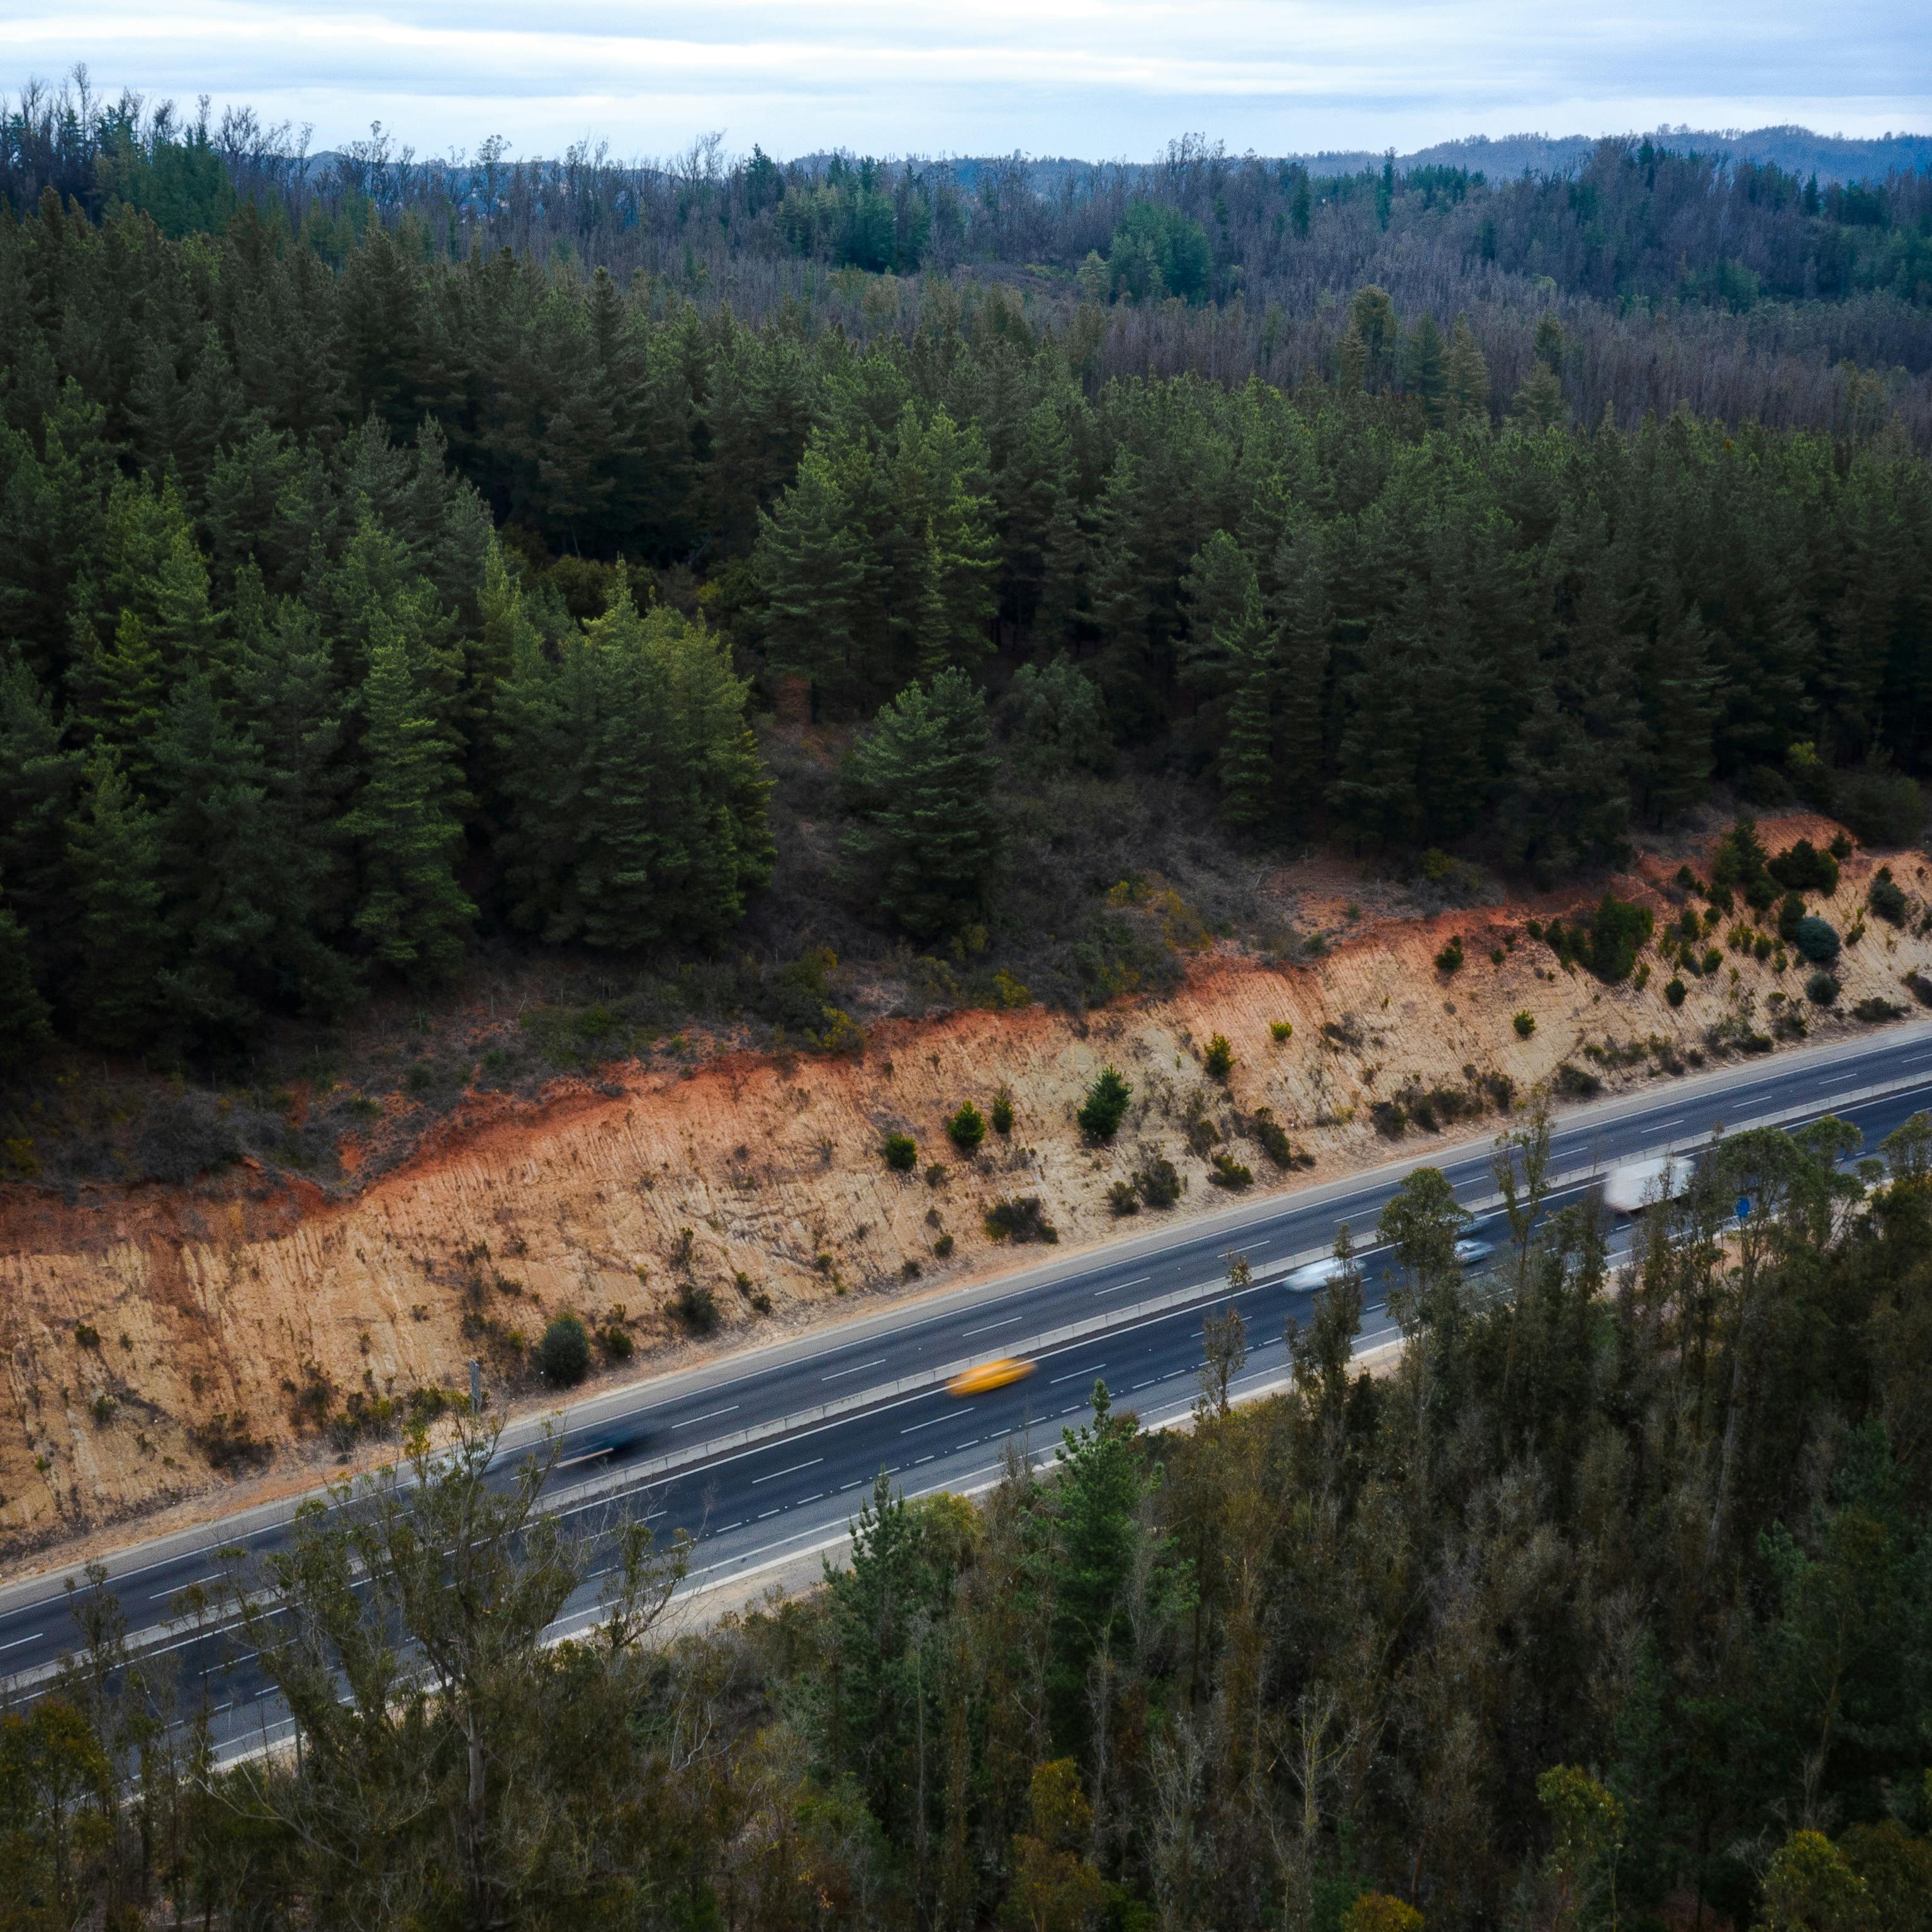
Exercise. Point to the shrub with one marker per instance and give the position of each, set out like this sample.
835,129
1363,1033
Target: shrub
1272,1137
618,1345
1105,1106
1803,869
228,1441
1790,912
1713,958
86,1335
1875,1011
696,1307
1576,1083
1524,1023
1281,1030
563,1355
1816,941
1674,991
943,1246
1022,1219
1202,1134
1123,1198
1619,930
901,1153
1158,1182
967,1129
1821,989
1228,1172
1219,1058
1919,987
1449,959
1003,1110
1886,898
1761,947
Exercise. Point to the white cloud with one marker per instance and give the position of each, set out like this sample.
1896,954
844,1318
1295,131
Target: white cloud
1051,76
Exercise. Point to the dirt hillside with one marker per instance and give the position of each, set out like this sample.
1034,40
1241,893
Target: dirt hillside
175,1351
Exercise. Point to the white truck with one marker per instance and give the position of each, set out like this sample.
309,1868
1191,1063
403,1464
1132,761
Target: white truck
1638,1184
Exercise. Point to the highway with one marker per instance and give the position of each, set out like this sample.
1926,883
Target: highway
765,1455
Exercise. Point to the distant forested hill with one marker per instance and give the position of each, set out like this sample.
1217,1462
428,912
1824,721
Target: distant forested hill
398,552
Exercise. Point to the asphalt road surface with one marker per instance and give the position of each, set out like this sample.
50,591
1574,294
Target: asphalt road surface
766,1455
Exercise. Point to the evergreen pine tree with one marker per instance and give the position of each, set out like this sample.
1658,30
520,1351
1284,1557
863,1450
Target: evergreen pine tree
114,860
24,1014
1042,551
40,777
809,572
925,836
1302,700
1425,376
1216,588
121,691
637,796
1252,649
403,822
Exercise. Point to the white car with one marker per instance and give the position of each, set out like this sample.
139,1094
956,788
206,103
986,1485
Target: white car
1472,1249
1323,1273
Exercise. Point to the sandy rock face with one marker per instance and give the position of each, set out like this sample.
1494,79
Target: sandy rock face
179,1352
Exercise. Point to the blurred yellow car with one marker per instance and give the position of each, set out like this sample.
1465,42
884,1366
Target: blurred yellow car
984,1376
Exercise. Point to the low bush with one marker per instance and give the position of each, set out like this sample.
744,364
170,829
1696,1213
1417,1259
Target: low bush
1021,1218
696,1306
618,1345
1219,1059
1886,898
1449,959
1003,1111
1821,989
1674,991
1875,1011
563,1355
1803,869
1575,1083
1524,1023
1919,987
1123,1198
901,1153
1158,1183
943,1246
1271,1137
1228,1172
1816,941
1281,1030
967,1129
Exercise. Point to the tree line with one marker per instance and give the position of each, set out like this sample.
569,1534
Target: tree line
1682,276
1609,1603
452,583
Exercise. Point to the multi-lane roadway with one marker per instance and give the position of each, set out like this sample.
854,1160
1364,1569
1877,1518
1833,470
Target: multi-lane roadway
764,1455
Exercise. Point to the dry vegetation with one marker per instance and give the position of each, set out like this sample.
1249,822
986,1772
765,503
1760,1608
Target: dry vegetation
178,1348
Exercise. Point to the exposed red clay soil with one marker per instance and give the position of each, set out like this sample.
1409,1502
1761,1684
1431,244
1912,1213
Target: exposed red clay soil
144,1328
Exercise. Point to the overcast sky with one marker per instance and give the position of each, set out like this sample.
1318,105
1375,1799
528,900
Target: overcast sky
1094,78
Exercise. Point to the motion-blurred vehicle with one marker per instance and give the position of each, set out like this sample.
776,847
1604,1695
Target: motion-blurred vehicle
1472,1249
1323,1273
984,1376
1638,1184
